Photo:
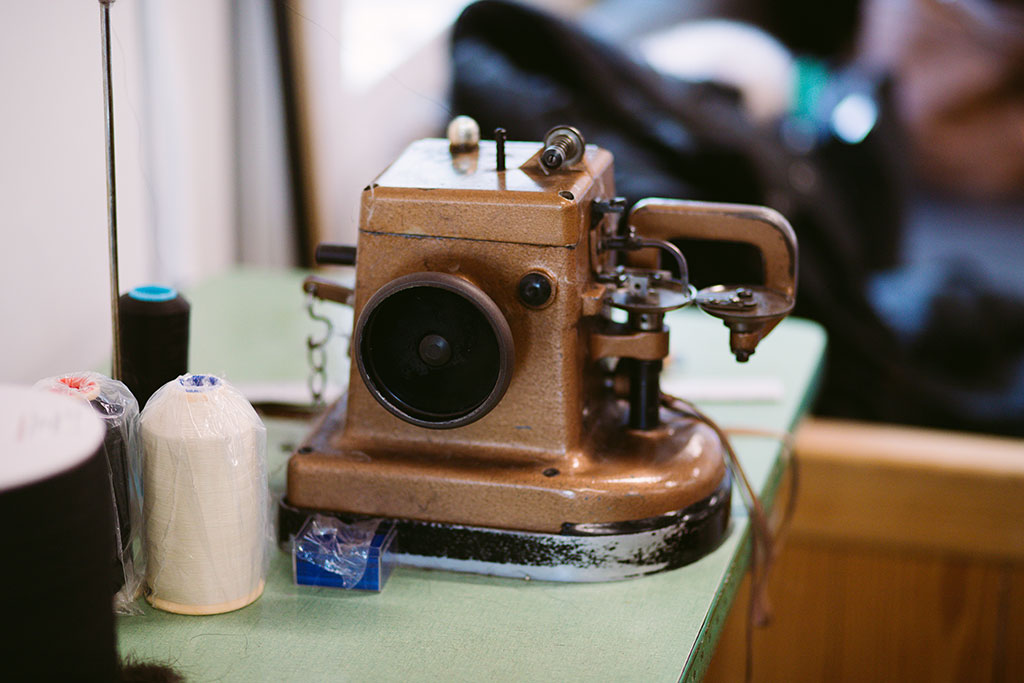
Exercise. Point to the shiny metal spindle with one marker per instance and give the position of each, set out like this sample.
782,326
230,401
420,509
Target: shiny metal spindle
108,111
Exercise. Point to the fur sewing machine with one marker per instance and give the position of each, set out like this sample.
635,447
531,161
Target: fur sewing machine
498,410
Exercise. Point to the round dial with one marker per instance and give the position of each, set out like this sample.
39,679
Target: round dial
434,350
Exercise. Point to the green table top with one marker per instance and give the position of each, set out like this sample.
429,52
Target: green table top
251,326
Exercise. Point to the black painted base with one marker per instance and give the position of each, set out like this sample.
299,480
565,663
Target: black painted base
581,552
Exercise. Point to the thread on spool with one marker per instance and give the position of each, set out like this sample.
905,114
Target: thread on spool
55,540
154,338
206,503
119,411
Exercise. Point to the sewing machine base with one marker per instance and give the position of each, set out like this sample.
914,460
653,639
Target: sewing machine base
616,474
580,553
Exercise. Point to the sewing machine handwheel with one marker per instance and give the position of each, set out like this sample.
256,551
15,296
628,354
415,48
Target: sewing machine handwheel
434,350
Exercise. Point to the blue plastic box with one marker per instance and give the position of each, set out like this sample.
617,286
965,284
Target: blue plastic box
374,556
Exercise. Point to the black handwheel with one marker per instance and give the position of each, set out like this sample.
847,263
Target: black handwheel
434,350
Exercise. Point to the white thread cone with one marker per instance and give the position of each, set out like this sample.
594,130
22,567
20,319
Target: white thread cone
205,497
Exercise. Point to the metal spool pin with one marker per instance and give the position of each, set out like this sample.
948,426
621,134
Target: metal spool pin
108,112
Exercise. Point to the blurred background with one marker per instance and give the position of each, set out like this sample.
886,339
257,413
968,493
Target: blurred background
890,133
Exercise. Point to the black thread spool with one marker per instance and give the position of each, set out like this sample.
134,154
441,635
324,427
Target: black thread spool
118,409
55,540
116,451
154,339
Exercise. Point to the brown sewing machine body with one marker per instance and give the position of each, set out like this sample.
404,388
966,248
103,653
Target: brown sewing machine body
490,386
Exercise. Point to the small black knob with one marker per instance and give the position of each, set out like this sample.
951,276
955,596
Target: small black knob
435,350
535,289
336,254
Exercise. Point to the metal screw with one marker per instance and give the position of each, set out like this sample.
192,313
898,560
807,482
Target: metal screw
563,146
554,154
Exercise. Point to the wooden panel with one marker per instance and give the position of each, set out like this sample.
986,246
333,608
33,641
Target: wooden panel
852,613
905,562
1010,654
915,488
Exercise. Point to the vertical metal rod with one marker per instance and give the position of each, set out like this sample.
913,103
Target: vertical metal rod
644,377
644,393
499,147
108,110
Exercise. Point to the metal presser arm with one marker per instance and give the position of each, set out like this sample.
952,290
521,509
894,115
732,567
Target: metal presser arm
321,287
749,311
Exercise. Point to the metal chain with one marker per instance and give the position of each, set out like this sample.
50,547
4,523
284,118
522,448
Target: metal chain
316,354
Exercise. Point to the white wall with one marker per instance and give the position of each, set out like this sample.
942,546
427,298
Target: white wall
175,151
175,206
190,138
266,223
